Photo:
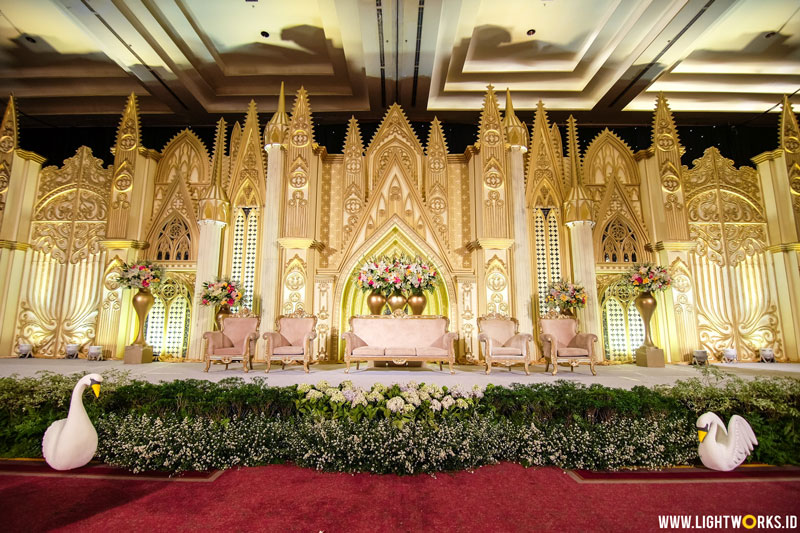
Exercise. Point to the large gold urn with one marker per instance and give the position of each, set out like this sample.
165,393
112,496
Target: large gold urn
143,300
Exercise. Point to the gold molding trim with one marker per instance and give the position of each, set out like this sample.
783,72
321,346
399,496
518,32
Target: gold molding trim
767,156
785,247
30,156
299,243
14,245
496,243
123,244
674,246
644,154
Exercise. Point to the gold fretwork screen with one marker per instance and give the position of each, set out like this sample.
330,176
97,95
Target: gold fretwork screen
735,304
623,327
167,324
546,248
244,251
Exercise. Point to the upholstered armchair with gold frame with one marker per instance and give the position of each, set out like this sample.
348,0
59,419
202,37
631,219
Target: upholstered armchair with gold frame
502,342
236,341
561,342
292,341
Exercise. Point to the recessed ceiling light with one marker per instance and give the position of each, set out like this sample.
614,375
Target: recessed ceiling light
30,39
531,31
265,34
770,34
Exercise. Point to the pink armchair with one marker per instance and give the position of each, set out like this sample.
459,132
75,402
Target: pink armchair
561,343
292,340
502,342
235,342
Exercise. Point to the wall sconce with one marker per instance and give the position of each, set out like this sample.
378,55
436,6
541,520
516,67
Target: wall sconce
700,357
95,353
767,355
729,355
72,350
25,350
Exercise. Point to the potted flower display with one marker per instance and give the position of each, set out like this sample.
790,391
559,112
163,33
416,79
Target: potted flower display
222,292
647,278
372,277
144,276
565,296
420,277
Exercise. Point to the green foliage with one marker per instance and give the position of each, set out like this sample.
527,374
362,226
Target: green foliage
195,424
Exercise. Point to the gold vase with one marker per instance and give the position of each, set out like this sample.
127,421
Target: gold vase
396,300
646,304
375,302
222,314
417,302
142,302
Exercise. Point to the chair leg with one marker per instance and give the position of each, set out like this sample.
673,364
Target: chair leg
305,365
226,366
527,372
358,365
208,364
244,364
440,366
571,367
450,363
547,365
555,367
347,362
269,364
591,365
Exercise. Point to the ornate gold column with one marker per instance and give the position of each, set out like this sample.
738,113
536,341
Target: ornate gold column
516,134
212,217
19,172
274,136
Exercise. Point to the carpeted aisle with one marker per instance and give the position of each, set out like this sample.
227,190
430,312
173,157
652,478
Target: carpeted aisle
504,497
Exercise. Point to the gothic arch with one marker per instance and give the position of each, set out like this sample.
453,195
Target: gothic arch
600,163
176,206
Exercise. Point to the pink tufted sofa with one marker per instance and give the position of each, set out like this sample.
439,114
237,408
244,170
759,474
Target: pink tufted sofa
399,338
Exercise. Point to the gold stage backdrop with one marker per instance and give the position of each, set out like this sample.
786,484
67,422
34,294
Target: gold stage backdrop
521,207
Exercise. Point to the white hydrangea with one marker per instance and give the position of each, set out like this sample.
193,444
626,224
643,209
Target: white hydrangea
461,403
314,394
408,408
395,404
322,385
303,388
375,397
477,392
436,405
379,388
411,385
447,402
358,399
346,384
337,396
411,397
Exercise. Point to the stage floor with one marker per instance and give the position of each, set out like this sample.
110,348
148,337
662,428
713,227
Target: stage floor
619,376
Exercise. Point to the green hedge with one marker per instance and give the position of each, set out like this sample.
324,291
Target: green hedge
197,425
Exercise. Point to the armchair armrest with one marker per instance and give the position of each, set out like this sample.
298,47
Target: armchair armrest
274,339
449,340
310,336
549,346
520,340
585,341
351,342
214,339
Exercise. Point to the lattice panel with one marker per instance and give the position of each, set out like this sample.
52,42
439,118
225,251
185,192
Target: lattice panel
251,250
238,245
174,345
635,328
541,255
553,245
614,330
154,326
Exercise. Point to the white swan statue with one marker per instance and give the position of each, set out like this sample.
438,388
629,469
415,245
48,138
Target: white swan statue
720,449
71,442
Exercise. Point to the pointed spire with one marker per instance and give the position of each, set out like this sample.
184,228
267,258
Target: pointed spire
790,133
214,205
353,141
665,134
300,122
436,137
578,205
558,146
9,131
236,139
278,126
516,132
129,132
490,118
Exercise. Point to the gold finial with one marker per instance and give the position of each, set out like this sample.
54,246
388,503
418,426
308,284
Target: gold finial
578,206
215,205
278,126
516,132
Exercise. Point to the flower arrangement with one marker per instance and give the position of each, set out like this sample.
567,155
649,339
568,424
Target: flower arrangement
220,291
648,277
389,274
141,275
565,295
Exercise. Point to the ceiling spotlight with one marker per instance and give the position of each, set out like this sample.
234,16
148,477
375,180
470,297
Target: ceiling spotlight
531,32
770,34
265,34
30,39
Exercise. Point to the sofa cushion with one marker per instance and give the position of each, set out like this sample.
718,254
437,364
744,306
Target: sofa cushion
573,352
404,351
500,330
506,351
288,350
383,331
430,351
294,330
368,350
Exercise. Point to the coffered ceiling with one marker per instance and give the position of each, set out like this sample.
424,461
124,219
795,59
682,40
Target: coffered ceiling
74,61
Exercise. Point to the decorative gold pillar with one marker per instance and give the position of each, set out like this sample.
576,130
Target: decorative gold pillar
274,136
212,217
521,249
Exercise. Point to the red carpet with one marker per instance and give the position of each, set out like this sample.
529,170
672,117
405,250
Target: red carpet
504,497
